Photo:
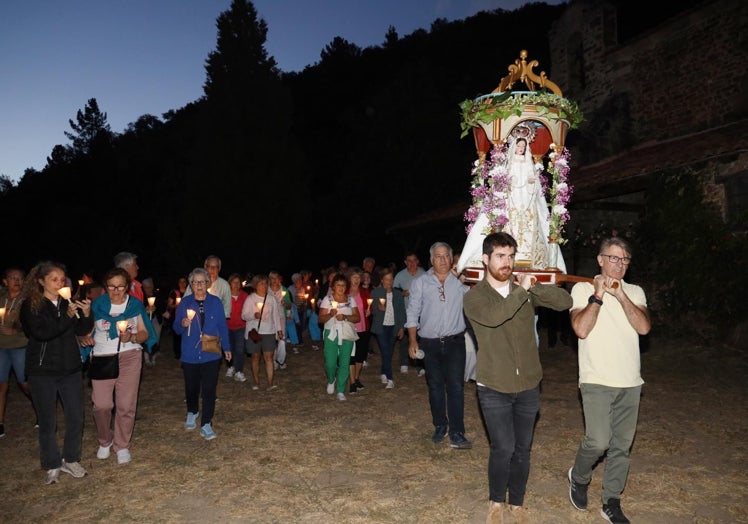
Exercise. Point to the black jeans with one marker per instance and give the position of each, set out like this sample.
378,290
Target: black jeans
201,380
445,366
44,391
510,421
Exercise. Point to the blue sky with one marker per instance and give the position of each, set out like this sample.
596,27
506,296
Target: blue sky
141,57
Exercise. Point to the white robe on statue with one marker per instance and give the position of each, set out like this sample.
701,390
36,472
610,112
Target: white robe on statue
529,219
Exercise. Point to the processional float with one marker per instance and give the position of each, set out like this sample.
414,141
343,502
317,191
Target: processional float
542,117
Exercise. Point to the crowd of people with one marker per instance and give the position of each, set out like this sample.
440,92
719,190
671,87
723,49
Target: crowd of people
48,336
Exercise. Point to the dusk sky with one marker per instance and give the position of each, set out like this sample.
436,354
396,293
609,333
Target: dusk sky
141,57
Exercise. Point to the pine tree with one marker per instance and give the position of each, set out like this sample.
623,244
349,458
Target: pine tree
91,126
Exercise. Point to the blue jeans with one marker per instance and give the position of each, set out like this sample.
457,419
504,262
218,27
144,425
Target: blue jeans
610,416
510,421
44,392
236,341
445,367
14,359
386,341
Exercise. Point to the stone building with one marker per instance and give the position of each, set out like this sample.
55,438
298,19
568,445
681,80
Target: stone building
670,97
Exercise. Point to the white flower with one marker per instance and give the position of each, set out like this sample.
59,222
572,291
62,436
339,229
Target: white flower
559,209
561,185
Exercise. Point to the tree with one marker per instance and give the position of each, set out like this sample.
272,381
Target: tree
240,58
91,126
5,184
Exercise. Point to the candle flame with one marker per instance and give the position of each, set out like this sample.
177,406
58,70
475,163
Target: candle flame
122,326
65,292
191,313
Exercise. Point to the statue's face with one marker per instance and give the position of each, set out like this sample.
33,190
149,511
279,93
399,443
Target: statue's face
521,146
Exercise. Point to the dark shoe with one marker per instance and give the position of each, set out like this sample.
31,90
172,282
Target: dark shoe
439,433
2,430
577,493
458,441
359,385
612,512
352,388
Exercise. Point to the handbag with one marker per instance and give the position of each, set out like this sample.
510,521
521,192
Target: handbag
104,368
253,334
210,343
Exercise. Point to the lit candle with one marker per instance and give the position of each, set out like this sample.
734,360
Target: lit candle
306,296
312,301
316,281
284,293
65,293
151,301
177,300
382,301
334,304
190,315
309,288
259,305
122,326
2,315
80,282
369,301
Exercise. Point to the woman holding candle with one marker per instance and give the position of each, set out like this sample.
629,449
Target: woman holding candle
134,333
12,340
53,365
339,313
362,298
201,313
388,319
236,329
263,312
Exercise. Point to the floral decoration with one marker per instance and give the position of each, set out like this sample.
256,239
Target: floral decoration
490,191
559,193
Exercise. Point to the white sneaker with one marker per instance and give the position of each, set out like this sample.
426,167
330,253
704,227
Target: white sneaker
383,378
341,397
73,468
103,452
421,372
53,476
365,364
239,377
403,369
331,388
230,372
390,384
123,456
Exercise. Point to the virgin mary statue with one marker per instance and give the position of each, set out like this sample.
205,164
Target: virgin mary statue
526,210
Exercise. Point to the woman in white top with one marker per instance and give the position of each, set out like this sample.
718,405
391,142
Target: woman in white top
339,313
263,312
122,392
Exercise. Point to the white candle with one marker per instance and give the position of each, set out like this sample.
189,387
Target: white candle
382,300
122,326
334,304
2,315
190,315
259,305
151,301
178,300
369,301
64,292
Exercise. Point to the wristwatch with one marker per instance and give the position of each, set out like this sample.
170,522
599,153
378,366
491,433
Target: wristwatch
595,300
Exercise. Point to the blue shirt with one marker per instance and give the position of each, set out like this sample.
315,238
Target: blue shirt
435,310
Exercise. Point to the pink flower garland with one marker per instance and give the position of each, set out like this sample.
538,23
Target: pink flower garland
490,186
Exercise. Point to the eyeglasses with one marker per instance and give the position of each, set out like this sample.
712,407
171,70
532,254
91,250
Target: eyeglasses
442,296
116,288
614,259
199,283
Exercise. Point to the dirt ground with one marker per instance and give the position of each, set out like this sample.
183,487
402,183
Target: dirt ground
298,455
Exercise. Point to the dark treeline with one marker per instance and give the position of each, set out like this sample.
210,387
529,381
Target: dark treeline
273,170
